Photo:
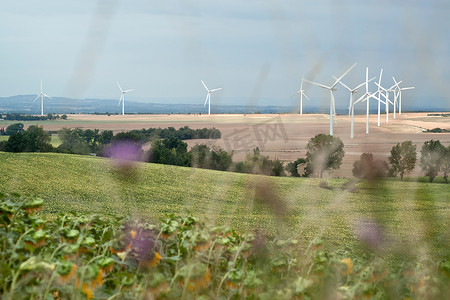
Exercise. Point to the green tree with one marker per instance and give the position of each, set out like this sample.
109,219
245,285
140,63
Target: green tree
17,142
324,152
171,151
34,139
64,117
432,154
445,166
16,127
278,168
403,157
292,167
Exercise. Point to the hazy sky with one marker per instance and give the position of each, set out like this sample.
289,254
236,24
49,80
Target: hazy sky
253,49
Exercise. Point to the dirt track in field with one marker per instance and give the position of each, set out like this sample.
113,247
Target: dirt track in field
282,136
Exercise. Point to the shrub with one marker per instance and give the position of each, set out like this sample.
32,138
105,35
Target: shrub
368,168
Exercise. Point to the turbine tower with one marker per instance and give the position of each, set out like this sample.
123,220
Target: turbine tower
122,97
379,98
208,97
386,98
399,89
366,97
332,89
351,108
301,91
42,95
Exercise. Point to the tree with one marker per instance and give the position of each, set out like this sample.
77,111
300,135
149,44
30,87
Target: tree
16,127
292,167
325,152
432,154
403,157
445,166
171,151
368,168
34,139
64,117
278,168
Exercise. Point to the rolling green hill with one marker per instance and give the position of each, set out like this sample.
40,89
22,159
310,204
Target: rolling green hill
406,211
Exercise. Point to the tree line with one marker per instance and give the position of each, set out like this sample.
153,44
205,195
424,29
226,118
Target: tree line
324,152
22,117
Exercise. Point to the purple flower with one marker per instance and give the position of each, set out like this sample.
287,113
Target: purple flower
124,151
370,233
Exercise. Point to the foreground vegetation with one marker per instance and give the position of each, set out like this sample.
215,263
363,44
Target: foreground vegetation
84,257
409,212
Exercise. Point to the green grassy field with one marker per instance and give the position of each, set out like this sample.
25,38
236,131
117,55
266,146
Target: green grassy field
409,213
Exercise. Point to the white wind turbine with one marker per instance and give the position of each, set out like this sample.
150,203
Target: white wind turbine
301,91
42,95
366,97
378,92
208,97
386,98
122,97
399,91
331,89
351,108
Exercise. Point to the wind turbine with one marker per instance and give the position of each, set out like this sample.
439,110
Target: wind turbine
379,98
42,95
331,89
366,97
301,91
122,97
400,94
386,98
208,97
351,108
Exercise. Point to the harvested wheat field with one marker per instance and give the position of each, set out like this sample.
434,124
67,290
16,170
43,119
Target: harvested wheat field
282,136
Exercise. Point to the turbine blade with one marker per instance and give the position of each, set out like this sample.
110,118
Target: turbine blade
204,85
379,86
318,84
408,88
36,98
126,91
306,96
343,84
342,76
206,100
218,89
119,86
47,96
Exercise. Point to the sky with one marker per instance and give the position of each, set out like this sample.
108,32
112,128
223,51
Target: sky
257,51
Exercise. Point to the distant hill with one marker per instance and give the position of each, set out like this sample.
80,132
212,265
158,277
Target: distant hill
61,105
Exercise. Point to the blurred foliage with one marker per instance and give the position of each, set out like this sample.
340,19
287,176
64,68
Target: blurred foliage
77,256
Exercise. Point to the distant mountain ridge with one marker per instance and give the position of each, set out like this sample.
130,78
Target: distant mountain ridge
61,105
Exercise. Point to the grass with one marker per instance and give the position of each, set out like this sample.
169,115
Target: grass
409,213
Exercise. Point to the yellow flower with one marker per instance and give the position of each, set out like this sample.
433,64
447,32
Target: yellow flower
155,261
133,234
87,290
200,283
348,262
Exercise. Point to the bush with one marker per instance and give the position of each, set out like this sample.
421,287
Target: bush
368,168
293,167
